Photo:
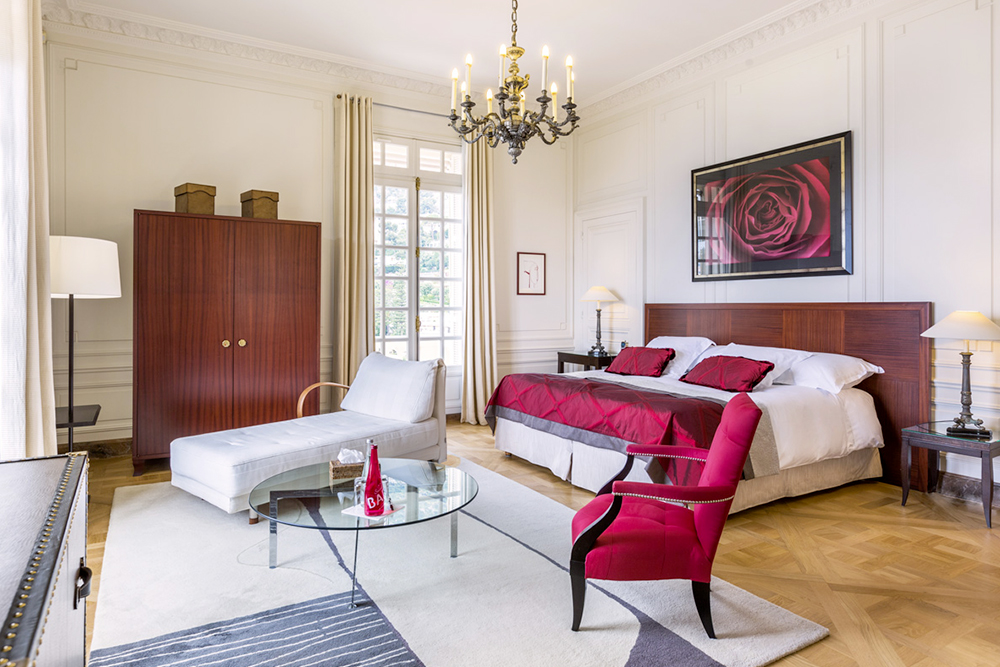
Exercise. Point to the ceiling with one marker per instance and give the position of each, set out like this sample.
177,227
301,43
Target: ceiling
613,44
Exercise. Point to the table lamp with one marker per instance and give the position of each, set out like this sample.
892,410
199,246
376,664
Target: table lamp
598,294
966,325
82,268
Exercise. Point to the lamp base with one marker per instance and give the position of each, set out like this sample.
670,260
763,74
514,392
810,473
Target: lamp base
597,351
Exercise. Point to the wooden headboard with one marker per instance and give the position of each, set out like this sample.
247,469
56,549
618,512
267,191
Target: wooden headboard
887,334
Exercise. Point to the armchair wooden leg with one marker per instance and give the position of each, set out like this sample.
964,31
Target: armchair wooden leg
703,601
579,583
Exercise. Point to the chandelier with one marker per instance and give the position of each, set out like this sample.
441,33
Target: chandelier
511,122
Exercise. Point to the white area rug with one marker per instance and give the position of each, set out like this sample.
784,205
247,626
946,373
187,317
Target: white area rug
183,583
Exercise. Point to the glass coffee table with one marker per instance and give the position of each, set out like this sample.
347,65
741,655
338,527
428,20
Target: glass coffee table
310,497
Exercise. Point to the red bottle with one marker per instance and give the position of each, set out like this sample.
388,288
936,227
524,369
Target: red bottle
374,493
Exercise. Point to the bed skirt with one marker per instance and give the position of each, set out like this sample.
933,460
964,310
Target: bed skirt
590,467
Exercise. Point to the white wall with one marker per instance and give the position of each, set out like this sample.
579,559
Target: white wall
913,80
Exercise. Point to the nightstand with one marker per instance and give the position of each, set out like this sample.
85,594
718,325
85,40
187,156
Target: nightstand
588,361
932,436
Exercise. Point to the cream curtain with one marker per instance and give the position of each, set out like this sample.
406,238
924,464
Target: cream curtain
480,373
354,246
27,397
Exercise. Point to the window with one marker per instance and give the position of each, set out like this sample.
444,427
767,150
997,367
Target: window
419,258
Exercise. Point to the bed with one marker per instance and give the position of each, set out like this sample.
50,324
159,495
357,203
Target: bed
885,334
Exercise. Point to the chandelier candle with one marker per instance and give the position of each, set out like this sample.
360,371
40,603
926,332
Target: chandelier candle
454,88
510,120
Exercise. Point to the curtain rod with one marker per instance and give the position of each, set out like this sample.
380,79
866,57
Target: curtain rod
393,106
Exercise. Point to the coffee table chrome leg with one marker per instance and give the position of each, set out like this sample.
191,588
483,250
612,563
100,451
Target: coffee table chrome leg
354,570
273,534
454,534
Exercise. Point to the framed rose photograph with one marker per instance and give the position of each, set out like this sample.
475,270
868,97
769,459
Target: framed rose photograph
531,273
782,213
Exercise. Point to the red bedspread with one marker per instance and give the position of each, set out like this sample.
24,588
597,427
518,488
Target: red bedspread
605,414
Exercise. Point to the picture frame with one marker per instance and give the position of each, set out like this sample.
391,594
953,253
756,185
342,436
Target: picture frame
531,273
782,213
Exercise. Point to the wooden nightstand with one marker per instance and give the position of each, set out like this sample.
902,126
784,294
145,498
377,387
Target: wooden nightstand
932,436
586,360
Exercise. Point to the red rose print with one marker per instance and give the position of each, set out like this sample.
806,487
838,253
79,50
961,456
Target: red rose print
776,214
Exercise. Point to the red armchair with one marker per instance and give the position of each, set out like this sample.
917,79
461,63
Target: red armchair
632,532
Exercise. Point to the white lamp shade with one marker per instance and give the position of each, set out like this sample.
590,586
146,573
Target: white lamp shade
86,268
965,325
598,293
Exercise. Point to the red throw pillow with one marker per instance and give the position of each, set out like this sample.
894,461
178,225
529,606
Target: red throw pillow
728,373
641,361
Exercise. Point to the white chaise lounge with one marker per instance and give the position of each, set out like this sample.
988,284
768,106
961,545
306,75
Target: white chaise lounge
398,403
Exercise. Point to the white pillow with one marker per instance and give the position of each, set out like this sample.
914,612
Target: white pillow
782,358
830,372
686,351
393,389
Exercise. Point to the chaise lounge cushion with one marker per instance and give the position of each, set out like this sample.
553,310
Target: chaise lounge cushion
230,463
394,389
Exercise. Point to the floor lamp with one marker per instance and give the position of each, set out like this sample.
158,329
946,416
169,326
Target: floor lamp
82,268
598,294
966,325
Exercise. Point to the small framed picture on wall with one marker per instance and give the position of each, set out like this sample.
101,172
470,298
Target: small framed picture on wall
531,273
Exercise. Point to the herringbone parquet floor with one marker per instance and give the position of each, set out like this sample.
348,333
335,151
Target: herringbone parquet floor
914,586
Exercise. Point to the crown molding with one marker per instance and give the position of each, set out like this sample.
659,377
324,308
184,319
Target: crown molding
137,28
718,52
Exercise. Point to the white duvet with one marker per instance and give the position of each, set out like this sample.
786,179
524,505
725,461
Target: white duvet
809,424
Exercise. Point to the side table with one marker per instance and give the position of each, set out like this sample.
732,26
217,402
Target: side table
588,361
933,436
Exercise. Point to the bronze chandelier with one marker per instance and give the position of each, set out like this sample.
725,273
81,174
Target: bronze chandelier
512,123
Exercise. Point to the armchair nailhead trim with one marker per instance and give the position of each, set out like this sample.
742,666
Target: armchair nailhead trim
671,456
674,500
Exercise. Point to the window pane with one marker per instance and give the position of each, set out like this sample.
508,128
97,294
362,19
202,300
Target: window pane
430,349
396,323
430,263
395,232
378,261
452,265
430,160
378,230
453,235
397,349
452,293
453,353
378,295
377,153
395,293
397,155
395,262
430,234
452,163
453,205
378,319
452,323
430,292
430,323
378,198
430,204
397,201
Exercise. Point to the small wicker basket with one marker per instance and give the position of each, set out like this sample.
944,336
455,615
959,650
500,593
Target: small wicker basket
341,471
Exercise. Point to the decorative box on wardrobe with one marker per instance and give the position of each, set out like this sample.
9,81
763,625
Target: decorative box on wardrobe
226,324
43,571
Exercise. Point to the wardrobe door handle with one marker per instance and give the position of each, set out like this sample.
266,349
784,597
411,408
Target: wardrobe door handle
242,342
226,343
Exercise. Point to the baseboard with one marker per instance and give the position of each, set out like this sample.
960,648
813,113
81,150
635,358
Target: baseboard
965,488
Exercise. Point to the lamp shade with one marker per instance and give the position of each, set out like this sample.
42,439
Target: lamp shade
965,325
598,293
84,267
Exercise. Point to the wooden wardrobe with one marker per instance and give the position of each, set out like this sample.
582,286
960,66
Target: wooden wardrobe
226,324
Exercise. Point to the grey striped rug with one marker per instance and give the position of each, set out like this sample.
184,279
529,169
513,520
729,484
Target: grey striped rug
324,631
